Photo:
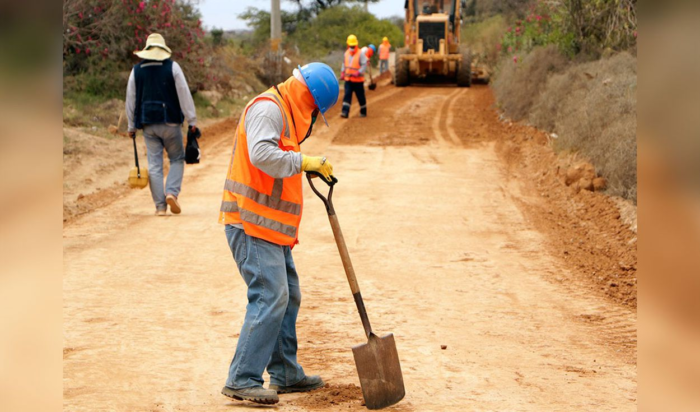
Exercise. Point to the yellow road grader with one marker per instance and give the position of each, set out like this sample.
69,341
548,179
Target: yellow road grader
433,49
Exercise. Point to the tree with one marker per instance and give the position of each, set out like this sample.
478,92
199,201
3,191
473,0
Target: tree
316,6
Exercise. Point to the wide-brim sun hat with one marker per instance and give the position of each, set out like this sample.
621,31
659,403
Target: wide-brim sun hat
322,83
155,49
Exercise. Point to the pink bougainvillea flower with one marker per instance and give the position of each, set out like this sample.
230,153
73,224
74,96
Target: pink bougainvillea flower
510,49
515,59
80,15
142,5
538,18
167,24
87,51
77,50
635,34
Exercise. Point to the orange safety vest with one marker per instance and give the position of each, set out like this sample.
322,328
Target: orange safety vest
352,65
268,208
384,51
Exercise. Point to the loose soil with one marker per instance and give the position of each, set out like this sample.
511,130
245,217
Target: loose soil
462,233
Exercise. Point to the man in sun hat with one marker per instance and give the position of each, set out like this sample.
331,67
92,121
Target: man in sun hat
261,208
158,99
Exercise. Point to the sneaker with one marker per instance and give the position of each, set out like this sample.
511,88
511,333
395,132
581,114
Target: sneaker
171,200
344,115
256,394
309,383
363,114
160,212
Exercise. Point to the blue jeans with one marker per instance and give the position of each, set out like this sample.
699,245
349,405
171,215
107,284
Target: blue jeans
168,137
268,338
383,66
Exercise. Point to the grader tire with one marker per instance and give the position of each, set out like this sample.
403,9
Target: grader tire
464,73
401,71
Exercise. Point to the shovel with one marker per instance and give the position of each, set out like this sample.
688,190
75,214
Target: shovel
372,84
377,361
138,177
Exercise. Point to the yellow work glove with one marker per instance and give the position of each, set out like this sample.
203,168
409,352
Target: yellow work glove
317,164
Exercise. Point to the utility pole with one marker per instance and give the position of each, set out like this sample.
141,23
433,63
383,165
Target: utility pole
276,39
275,25
367,5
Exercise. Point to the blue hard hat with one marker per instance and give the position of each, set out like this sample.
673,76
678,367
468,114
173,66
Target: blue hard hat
373,47
323,85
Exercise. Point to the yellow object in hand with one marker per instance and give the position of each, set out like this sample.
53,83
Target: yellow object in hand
317,164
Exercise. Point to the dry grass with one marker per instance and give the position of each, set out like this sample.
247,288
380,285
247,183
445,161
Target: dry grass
483,38
518,85
592,107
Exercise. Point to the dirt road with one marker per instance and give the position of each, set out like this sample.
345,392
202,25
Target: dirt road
443,250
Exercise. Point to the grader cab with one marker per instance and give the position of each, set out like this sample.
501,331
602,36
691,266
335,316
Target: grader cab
433,49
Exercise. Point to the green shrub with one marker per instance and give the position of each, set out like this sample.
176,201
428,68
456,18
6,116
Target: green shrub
318,37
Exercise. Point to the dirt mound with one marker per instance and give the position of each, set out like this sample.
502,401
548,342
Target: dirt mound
95,166
331,395
584,228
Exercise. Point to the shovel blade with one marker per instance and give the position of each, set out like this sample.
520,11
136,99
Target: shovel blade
379,370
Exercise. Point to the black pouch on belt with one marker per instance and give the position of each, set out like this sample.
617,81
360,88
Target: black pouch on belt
192,152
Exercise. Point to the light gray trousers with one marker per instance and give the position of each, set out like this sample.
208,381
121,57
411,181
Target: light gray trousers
168,137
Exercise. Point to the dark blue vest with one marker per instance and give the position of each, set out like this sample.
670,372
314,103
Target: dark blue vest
156,95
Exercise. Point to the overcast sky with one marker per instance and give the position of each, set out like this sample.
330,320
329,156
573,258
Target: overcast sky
224,13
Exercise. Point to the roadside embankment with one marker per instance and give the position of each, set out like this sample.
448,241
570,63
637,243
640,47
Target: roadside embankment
588,108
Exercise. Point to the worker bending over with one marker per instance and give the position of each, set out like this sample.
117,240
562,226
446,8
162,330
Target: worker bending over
261,209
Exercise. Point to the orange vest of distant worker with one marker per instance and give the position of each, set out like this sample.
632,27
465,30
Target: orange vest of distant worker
352,66
384,51
268,208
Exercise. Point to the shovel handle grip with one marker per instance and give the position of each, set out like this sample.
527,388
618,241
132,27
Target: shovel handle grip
325,199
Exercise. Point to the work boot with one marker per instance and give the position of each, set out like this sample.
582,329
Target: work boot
171,200
344,115
256,394
307,384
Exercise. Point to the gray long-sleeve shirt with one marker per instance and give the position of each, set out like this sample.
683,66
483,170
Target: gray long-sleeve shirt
183,95
263,128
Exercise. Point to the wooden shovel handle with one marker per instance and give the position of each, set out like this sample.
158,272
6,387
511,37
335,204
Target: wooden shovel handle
344,255
350,272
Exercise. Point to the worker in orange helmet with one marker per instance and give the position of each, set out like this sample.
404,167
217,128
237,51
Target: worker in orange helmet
353,72
384,50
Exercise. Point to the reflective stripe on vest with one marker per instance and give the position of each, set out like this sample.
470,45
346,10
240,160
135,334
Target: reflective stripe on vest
252,217
253,198
272,201
279,103
352,66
